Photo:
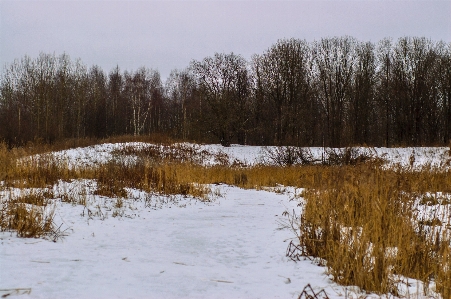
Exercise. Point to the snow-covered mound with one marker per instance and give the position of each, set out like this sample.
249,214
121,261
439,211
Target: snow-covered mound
415,157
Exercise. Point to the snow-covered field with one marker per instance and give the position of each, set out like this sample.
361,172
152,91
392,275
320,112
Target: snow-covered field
232,246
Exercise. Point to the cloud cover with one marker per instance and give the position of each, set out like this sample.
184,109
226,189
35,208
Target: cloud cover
165,35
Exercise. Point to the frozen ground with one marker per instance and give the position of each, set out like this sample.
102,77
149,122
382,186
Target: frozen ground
171,247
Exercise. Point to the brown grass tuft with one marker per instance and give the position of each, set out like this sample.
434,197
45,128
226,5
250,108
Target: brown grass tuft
28,216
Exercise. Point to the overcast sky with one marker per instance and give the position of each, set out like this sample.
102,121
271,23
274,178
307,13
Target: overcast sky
165,35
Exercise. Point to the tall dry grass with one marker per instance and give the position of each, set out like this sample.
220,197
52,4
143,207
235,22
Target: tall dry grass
365,223
26,213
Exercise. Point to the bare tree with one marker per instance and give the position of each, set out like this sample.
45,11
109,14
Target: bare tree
361,110
180,89
332,92
335,62
224,85
283,77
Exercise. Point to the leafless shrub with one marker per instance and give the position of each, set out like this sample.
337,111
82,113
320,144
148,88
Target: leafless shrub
291,155
288,155
348,156
309,293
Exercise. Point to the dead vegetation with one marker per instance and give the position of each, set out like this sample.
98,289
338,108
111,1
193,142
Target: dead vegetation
292,155
363,222
30,214
179,152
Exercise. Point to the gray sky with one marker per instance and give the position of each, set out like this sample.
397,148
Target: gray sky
165,35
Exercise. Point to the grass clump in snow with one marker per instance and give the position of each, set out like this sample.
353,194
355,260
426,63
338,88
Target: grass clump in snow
28,215
35,197
160,178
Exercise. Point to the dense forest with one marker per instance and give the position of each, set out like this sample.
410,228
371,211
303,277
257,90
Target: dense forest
332,92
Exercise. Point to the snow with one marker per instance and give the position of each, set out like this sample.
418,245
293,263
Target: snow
232,246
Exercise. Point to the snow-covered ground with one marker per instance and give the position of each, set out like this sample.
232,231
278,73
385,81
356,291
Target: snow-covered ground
172,247
233,247
250,155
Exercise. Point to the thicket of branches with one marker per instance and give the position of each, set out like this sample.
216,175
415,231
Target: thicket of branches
332,92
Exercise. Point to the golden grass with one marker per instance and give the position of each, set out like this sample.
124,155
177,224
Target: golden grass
365,224
27,214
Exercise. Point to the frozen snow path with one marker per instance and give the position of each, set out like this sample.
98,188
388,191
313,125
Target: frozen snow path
231,249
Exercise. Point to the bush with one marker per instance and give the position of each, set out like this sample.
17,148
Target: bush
288,156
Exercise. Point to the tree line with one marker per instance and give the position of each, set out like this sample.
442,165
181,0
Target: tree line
332,92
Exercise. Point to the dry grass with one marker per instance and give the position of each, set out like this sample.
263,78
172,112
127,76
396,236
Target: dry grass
27,222
164,179
364,223
28,214
37,198
180,153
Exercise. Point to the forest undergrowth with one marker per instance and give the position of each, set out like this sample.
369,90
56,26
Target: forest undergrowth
369,224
